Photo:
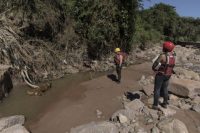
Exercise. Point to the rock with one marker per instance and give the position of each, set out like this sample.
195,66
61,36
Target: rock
148,89
172,125
196,108
127,129
153,114
99,113
135,105
71,70
123,119
11,121
99,127
130,114
198,128
196,100
140,55
146,80
173,97
174,102
186,74
155,130
141,130
185,106
150,121
150,100
150,113
184,87
15,129
173,107
168,112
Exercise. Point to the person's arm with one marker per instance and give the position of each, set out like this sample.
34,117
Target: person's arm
120,60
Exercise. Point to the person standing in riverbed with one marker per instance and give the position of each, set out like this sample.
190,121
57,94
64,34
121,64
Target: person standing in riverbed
119,60
163,67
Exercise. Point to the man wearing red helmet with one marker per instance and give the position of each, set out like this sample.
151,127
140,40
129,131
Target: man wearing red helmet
163,66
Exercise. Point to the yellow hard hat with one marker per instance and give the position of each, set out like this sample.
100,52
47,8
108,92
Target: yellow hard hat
117,50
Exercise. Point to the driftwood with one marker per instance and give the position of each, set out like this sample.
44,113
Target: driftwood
26,78
39,91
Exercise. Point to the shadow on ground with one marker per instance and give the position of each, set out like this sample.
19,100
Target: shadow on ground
113,77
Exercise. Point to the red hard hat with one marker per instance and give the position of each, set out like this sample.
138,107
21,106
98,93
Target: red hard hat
168,46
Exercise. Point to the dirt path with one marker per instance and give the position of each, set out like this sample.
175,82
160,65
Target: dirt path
78,105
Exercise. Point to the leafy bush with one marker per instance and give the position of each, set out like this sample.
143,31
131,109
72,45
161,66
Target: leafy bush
105,24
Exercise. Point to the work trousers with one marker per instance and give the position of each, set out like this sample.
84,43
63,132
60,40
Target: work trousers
161,84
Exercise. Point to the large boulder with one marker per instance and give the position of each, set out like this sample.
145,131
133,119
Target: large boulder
172,125
168,111
196,108
15,129
186,74
148,89
196,100
11,121
130,114
100,127
135,105
184,87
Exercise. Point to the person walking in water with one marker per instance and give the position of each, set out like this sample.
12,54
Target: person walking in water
118,59
163,67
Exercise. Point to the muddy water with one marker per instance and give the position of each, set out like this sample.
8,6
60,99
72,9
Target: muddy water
18,102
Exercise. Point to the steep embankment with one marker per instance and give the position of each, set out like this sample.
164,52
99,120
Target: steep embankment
37,34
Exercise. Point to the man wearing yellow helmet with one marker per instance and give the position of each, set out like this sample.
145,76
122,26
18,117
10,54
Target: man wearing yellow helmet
118,59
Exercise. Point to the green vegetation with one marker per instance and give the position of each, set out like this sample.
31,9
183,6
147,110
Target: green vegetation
161,22
105,24
99,25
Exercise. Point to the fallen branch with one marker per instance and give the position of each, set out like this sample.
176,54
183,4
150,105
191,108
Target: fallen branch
27,79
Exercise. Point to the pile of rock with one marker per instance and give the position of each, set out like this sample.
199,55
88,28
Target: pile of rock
13,124
136,117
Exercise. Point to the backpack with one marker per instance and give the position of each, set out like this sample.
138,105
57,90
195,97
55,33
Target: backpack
124,55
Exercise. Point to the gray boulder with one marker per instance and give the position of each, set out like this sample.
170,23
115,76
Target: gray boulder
172,125
186,74
11,121
127,129
155,130
135,105
168,112
130,114
196,108
148,89
100,127
184,87
15,129
123,119
196,100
